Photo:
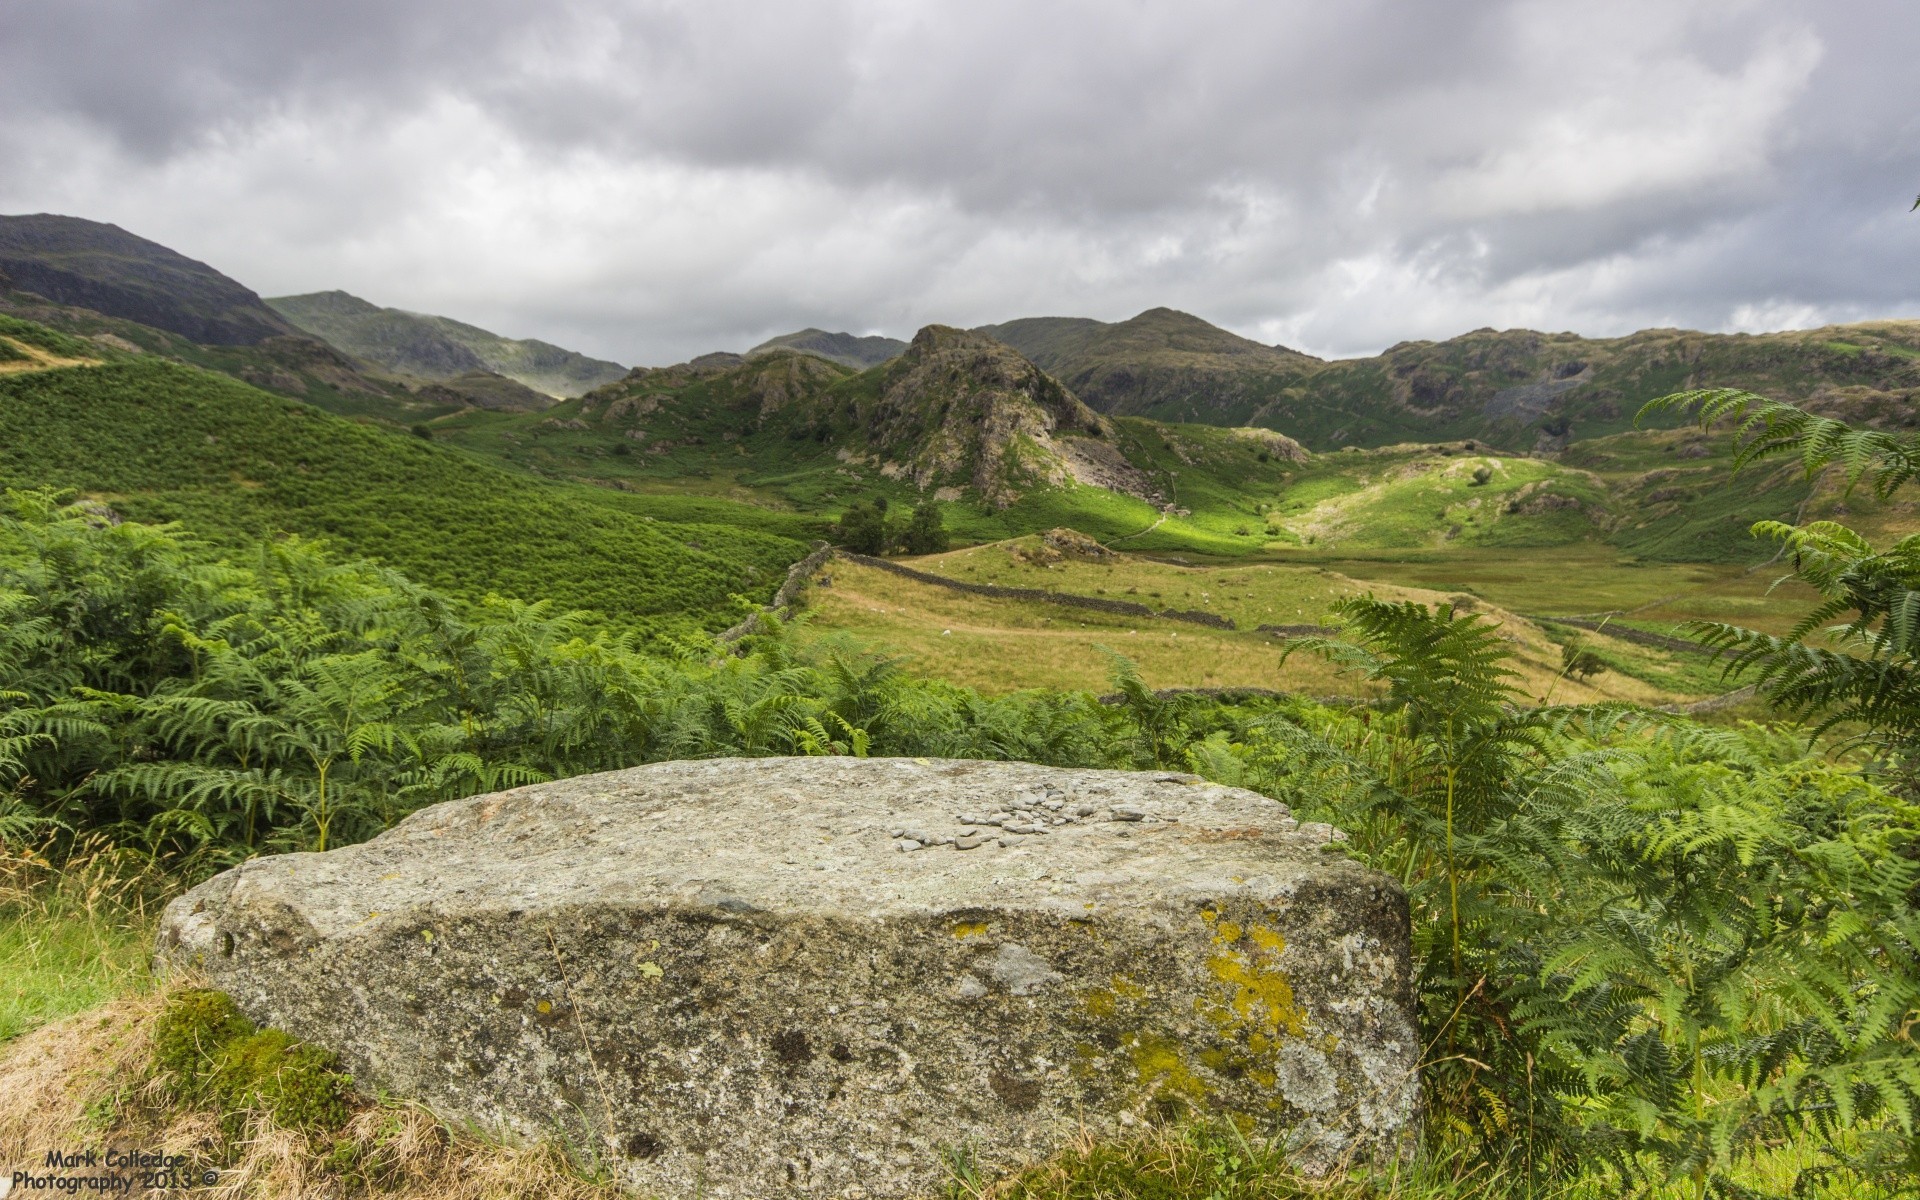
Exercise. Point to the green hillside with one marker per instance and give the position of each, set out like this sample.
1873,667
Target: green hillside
958,417
1522,390
417,346
1011,453
159,441
301,367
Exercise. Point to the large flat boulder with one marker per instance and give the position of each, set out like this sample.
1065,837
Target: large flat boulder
757,977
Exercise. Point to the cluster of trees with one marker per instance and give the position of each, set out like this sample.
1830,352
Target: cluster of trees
1645,947
865,528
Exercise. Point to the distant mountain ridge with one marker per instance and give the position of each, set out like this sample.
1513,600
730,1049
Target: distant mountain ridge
436,349
1517,389
1163,363
1528,391
92,265
846,349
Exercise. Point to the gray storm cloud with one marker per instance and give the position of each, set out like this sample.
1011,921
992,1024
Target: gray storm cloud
651,180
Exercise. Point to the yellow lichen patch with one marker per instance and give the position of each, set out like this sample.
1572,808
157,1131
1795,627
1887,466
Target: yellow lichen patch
1161,1070
1160,1066
1255,1010
967,929
1105,1002
1260,1002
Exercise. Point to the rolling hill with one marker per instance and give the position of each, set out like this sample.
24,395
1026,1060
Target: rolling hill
1163,431
161,441
846,349
1516,389
964,419
416,346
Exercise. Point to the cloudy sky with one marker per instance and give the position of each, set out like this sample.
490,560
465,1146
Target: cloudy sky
649,179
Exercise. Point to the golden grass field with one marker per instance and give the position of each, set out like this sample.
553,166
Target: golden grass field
1000,645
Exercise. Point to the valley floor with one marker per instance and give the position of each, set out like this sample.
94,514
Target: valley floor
1000,644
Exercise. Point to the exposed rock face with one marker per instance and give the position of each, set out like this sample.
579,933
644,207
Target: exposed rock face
962,407
1278,445
750,978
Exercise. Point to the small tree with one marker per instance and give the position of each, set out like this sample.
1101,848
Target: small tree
926,534
1580,662
863,527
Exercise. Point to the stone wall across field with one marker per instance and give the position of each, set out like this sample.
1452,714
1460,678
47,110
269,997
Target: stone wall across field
1071,600
817,977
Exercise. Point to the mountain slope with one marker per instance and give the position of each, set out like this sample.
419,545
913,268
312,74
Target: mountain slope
438,349
1165,364
1524,390
1517,389
844,348
302,367
159,441
104,268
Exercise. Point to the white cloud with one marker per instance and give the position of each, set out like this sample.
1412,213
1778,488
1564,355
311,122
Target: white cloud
647,179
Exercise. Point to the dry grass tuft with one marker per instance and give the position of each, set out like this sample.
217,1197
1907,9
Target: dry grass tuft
1198,1162
76,934
94,878
56,1080
88,1081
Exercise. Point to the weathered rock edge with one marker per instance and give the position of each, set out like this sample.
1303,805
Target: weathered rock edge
733,978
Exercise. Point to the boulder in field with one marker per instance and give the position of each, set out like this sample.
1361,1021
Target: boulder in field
758,977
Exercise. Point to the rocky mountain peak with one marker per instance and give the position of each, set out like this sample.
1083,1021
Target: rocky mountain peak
962,409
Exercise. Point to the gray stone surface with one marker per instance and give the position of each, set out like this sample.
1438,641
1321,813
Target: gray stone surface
740,979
